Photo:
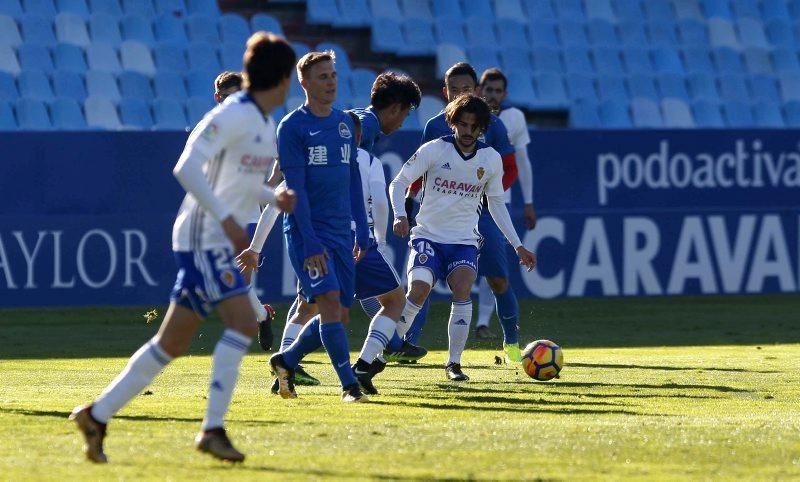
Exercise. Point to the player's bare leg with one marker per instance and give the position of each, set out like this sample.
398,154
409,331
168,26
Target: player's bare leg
460,282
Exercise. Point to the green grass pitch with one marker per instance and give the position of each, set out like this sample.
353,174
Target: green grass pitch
653,388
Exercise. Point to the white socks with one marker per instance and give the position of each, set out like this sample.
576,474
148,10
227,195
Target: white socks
381,330
458,328
225,371
290,332
407,318
142,368
485,303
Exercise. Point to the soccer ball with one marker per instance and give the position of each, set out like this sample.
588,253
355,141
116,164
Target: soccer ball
542,360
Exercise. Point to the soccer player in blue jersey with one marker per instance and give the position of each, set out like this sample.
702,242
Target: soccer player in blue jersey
317,150
222,169
462,79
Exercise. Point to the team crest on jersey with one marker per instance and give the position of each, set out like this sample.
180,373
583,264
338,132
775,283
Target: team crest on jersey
210,132
344,131
423,258
228,279
412,159
480,173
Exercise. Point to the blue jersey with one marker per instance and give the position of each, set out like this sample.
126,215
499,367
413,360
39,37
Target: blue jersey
370,128
318,160
496,135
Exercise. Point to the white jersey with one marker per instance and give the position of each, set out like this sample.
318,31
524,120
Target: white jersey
371,171
238,145
452,188
518,135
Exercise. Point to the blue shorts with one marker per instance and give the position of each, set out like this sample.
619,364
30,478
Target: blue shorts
205,278
375,275
341,272
441,259
494,250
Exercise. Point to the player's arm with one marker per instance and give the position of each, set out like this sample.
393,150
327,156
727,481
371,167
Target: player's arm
357,208
248,259
276,176
427,136
413,169
506,150
380,203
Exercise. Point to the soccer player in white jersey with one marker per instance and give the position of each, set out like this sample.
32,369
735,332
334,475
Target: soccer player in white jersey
457,171
494,89
222,169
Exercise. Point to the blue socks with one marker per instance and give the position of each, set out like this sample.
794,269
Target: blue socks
334,339
419,322
508,312
306,342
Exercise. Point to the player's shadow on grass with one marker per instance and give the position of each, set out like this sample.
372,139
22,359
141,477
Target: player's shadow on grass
64,414
317,473
661,367
647,386
564,408
552,389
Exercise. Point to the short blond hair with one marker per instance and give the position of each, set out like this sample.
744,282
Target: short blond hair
311,59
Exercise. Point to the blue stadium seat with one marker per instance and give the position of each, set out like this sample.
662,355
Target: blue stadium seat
322,12
101,84
658,10
200,83
733,87
206,7
717,8
779,32
196,108
170,57
673,85
416,9
602,33
768,114
353,13
75,7
520,89
202,56
69,58
581,86
600,9
667,60
727,60
688,10
135,113
746,8
32,115
447,55
170,85
697,60
69,84
791,110
450,30
67,114
133,85
572,33
343,66
615,115
231,56
785,60
9,33
612,87
202,28
344,96
543,34
295,89
676,113
171,29
7,120
418,34
516,59
541,10
642,85
265,22
386,35
45,8
482,58
722,34
34,85
757,61
632,34
137,57
646,113
583,115
576,61
171,7
775,9
693,33
138,28
107,7
477,9
8,87
751,33
794,7
570,9
280,112
509,9
35,57
169,115
703,86
480,32
738,114
8,60
11,8
37,29
789,83
101,113
637,61
429,107
140,8
662,33
103,57
547,60
764,88
707,114
292,103
551,91
233,28
300,49
104,29
447,9
410,124
385,9
511,33
628,10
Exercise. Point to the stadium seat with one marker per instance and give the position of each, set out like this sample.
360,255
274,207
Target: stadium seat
612,87
418,34
746,8
419,9
69,84
583,115
477,9
667,60
600,9
717,8
135,113
662,34
450,30
632,34
785,60
546,60
581,87
103,57
768,114
509,9
757,61
140,8
45,8
642,85
69,58
138,29
32,115
482,58
67,115
385,9
480,32
698,60
572,33
137,57
104,29
101,113
602,33
658,10
773,9
447,9
7,120
34,85
733,87
9,32
295,89
201,28
511,33
646,113
11,8
100,84
176,8
322,12
789,83
202,56
35,57
37,29
570,9
71,29
169,115
543,34
8,87
196,108
722,34
628,10
171,29
703,86
353,13
280,112
707,114
231,56
446,56
520,89
386,35
200,83
673,85
300,48
133,85
292,102
764,88
751,33
170,58
343,66
688,10
791,110
170,85
206,7
233,28
693,33
361,81
551,91
637,61
107,7
517,60
429,107
779,32
410,124
267,23
676,113
727,61
576,61
615,115
738,114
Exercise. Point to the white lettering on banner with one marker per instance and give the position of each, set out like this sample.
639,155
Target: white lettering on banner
771,238
30,258
743,167
57,283
731,262
638,264
112,259
594,240
130,260
535,282
6,267
692,240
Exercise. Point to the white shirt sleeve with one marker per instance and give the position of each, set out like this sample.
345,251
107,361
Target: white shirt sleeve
380,203
412,170
525,171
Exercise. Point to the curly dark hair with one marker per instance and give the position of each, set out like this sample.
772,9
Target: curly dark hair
268,60
468,104
392,88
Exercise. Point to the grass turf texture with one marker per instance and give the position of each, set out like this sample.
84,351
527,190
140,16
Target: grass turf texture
653,388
